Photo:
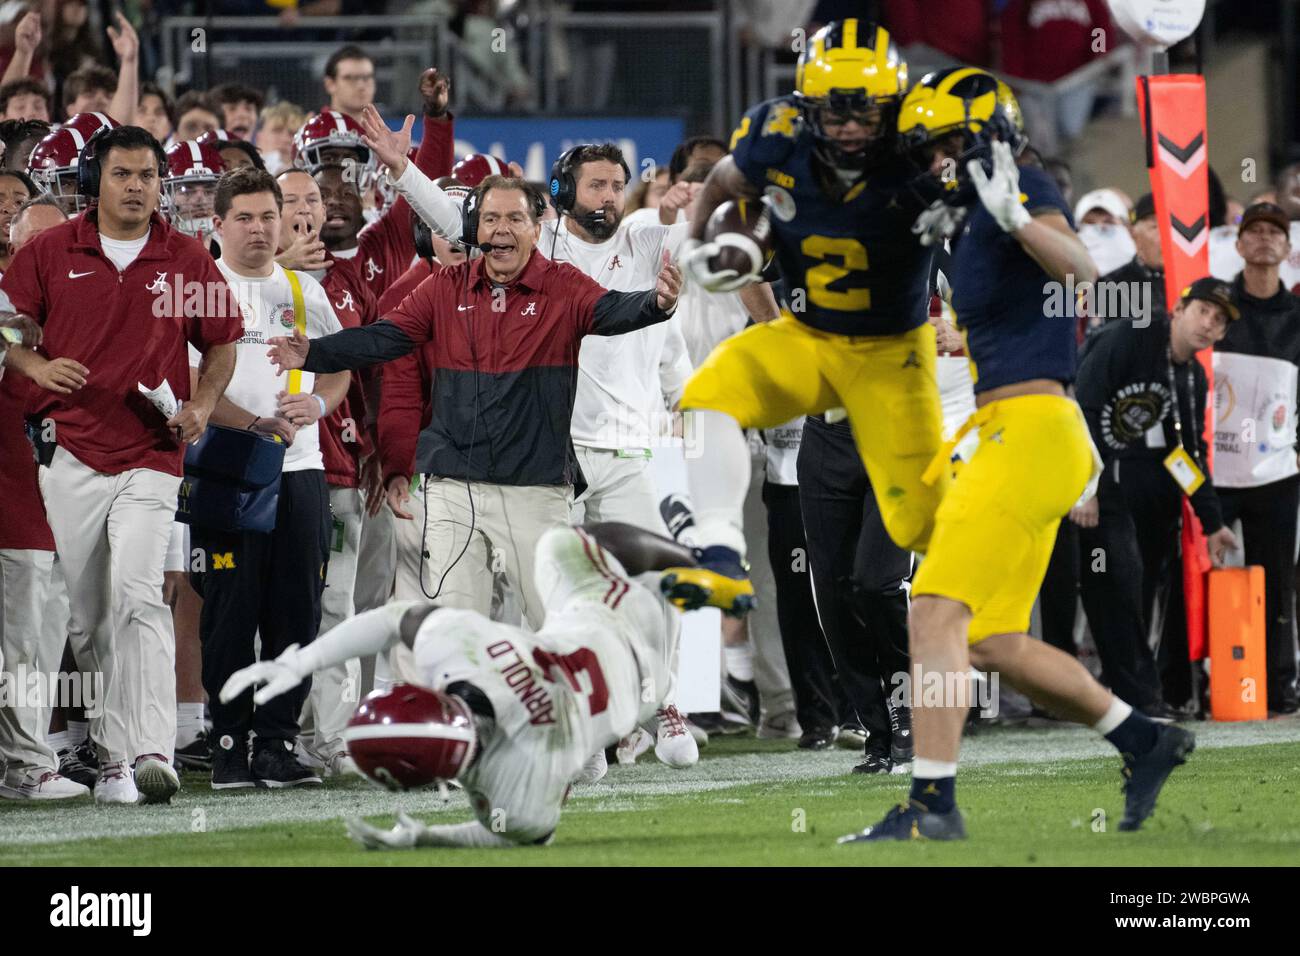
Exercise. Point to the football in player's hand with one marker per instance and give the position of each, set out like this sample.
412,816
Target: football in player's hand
742,230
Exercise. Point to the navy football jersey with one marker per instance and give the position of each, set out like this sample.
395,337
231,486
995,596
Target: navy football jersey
861,270
1015,328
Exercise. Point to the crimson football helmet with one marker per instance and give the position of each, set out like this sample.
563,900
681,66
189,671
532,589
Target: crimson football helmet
53,163
476,167
190,189
330,137
220,140
409,736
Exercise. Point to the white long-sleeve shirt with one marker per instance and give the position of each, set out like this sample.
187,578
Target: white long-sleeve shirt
624,380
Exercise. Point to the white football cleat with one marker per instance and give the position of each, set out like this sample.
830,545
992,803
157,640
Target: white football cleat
155,779
675,745
115,784
41,786
595,768
700,737
341,765
633,745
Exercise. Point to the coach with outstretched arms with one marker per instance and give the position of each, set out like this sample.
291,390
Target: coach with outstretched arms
101,287
506,328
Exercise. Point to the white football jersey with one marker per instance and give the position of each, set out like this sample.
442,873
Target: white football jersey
597,668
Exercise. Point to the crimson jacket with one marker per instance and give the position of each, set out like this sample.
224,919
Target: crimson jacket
504,367
128,328
343,435
404,411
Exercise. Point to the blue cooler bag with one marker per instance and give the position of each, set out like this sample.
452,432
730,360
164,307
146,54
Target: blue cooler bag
232,480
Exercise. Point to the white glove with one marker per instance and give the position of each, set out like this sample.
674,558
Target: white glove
938,223
404,836
280,676
693,259
1000,193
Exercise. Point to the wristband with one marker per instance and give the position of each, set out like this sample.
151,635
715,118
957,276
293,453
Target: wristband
322,405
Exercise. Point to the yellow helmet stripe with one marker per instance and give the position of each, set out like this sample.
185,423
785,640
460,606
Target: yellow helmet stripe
850,33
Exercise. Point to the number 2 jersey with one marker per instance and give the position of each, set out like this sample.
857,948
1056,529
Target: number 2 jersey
598,667
849,248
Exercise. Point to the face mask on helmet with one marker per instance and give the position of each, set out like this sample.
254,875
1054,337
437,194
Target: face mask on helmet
852,130
62,187
190,206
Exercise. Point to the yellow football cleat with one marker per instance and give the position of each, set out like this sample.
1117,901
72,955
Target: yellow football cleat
720,580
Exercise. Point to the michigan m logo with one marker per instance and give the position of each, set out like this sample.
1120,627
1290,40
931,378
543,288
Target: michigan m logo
226,560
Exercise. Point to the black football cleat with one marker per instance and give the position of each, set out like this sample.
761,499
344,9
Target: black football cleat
819,738
230,764
75,769
196,755
720,579
875,762
1145,775
912,821
274,766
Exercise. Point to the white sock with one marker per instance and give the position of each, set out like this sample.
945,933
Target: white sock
717,470
57,741
78,731
189,723
740,661
1115,715
933,769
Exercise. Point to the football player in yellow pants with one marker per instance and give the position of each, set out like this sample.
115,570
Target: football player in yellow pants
855,335
994,532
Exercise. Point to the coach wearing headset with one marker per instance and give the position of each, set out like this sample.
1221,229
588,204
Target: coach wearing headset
100,285
506,328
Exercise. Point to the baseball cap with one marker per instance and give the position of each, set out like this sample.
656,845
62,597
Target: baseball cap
1265,212
1216,292
1106,199
1145,206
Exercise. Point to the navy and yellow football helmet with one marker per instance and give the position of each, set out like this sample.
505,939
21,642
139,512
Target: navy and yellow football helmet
970,106
851,70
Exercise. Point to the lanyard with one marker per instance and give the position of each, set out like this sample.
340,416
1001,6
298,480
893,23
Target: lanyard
1191,393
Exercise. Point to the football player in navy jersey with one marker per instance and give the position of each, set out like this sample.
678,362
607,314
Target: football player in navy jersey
993,534
855,335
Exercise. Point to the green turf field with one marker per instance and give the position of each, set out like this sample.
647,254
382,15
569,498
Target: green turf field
1031,796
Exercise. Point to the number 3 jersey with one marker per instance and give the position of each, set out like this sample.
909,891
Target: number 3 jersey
597,668
845,250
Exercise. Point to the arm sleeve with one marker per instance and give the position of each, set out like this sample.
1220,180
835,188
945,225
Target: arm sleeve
227,325
401,402
764,139
1205,502
22,283
674,365
359,636
356,348
430,203
617,312
470,834
1092,386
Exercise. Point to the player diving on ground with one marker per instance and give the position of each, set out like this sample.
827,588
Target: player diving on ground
511,716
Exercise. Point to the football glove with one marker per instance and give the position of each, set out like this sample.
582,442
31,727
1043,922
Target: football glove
280,676
404,836
693,258
938,223
1000,193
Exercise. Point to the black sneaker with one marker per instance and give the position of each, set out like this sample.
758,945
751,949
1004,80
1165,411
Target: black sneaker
88,754
74,768
875,762
196,755
900,743
274,766
912,821
819,738
1145,775
230,764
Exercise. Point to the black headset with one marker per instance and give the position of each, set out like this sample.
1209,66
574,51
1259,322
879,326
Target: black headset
469,213
564,189
422,235
89,163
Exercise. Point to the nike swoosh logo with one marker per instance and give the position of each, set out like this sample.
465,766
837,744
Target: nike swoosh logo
462,308
78,275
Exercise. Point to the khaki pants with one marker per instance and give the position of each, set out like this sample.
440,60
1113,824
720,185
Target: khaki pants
111,532
618,489
335,691
506,523
24,585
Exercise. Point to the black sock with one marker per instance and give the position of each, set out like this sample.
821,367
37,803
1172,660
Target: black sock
1136,735
936,794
